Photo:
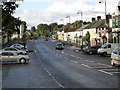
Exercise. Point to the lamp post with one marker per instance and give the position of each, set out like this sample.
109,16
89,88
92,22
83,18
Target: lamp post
105,10
80,12
68,16
62,20
105,15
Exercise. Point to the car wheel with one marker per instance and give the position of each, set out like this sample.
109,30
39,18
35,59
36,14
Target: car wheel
90,53
22,61
104,54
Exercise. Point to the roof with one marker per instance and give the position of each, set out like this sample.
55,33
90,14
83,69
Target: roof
98,24
81,28
91,24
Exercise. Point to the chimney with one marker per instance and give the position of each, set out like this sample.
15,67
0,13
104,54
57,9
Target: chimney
98,18
93,19
108,17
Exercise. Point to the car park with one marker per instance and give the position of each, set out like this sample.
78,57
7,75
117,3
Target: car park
59,46
115,57
12,49
8,56
91,49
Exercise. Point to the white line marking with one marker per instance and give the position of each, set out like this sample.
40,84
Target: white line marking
115,72
53,78
105,72
62,52
86,65
73,61
105,65
66,58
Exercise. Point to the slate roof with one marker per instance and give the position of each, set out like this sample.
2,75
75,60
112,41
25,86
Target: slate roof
98,24
91,24
81,28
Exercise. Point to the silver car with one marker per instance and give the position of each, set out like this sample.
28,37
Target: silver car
13,57
115,57
18,45
11,49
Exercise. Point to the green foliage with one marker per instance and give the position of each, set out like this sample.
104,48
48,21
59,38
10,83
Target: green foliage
87,37
43,30
33,29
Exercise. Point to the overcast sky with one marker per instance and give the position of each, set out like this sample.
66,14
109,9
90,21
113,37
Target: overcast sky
35,12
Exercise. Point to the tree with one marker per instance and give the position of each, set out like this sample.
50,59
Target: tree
43,30
86,38
8,8
33,29
52,26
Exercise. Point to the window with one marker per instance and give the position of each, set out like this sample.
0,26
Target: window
6,49
10,54
4,54
13,49
116,51
7,54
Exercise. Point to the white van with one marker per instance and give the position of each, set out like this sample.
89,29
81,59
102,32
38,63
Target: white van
107,48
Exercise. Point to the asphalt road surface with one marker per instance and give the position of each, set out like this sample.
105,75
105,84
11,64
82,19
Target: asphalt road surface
50,68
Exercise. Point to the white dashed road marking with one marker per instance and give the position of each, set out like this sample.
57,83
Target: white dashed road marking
105,72
53,78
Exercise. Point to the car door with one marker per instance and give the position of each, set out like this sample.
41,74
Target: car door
4,56
8,57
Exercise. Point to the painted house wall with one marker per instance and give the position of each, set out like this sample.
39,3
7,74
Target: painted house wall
92,36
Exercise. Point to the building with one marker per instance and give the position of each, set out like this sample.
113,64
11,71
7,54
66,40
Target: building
116,25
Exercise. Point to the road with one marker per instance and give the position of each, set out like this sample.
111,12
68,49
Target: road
50,68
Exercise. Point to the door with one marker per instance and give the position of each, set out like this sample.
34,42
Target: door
8,57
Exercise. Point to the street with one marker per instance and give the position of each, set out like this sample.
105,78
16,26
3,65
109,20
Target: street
51,68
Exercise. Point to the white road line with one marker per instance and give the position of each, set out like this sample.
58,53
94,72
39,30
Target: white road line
105,65
53,78
72,55
115,72
105,72
62,52
86,65
66,58
73,61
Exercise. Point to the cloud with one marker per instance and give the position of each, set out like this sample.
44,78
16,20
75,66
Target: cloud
61,8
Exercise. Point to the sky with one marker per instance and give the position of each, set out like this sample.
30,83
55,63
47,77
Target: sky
35,12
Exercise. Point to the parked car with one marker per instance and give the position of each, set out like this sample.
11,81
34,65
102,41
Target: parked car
13,57
91,49
115,57
107,48
19,48
19,45
46,39
66,43
59,46
12,49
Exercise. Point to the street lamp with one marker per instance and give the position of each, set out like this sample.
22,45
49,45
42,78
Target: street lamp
62,20
68,16
80,12
105,10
